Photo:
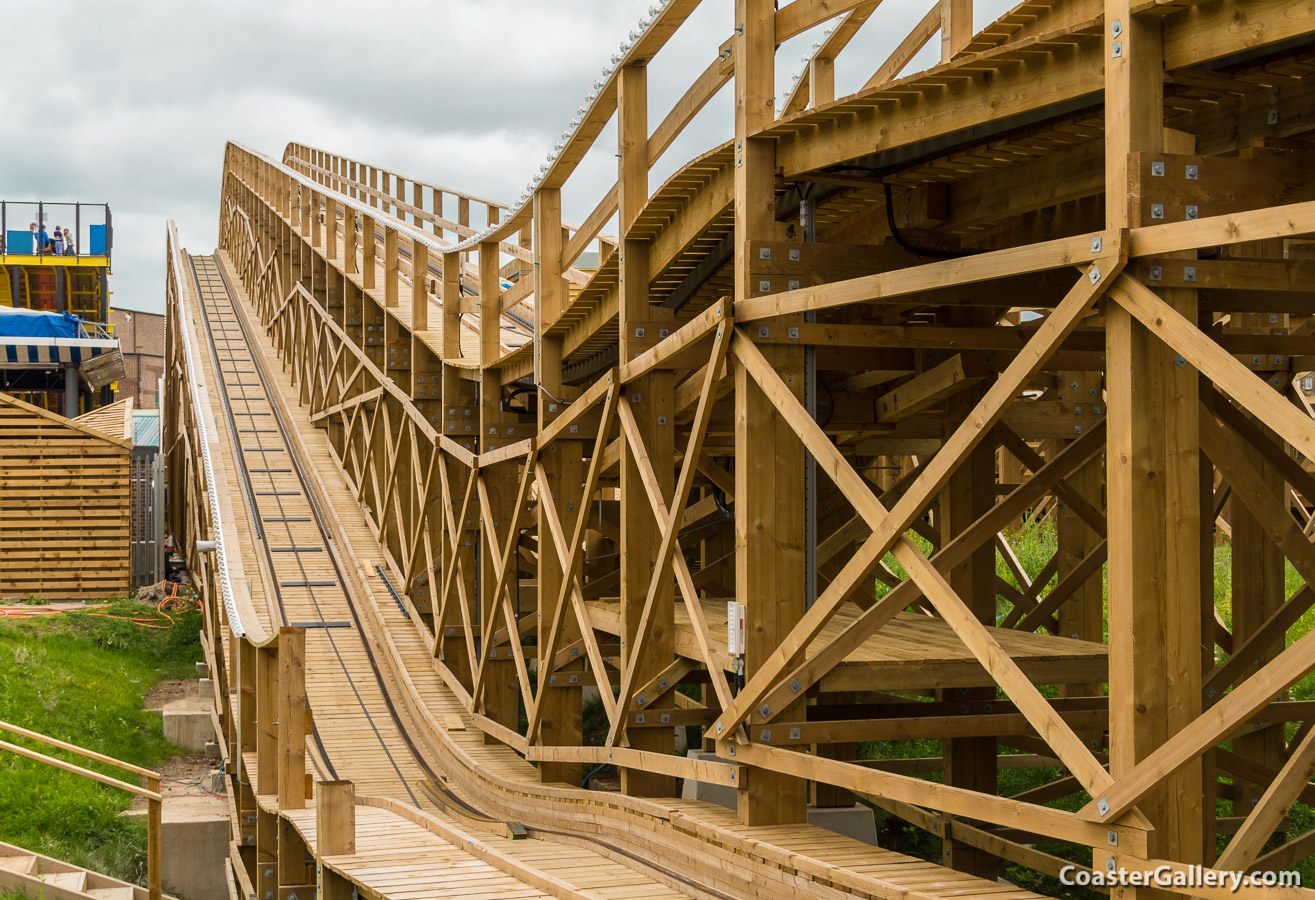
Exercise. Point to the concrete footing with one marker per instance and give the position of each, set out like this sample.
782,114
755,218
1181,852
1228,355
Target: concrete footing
187,719
857,821
195,836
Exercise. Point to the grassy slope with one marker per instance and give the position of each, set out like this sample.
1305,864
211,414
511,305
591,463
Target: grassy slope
1034,546
82,679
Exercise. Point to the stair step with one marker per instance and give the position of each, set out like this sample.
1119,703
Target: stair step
110,893
20,864
74,881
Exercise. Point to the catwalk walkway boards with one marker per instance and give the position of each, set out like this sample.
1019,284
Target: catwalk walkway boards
386,721
913,651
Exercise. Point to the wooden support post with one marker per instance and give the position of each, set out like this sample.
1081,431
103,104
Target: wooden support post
821,80
294,866
1257,592
335,818
267,738
335,835
463,218
314,225
650,399
501,691
956,27
267,853
1153,471
1082,616
350,239
330,228
154,839
369,278
459,423
970,762
292,718
769,456
451,295
562,463
419,294
390,267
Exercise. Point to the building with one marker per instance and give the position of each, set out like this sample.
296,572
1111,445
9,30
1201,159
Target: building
42,271
63,514
141,339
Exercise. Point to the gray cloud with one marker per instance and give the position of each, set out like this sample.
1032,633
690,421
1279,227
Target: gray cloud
131,103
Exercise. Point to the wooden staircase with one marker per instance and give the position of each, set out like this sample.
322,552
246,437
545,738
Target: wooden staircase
42,878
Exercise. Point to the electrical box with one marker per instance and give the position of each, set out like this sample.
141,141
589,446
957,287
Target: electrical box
734,628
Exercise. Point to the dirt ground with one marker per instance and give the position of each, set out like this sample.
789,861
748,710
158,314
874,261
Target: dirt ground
185,776
168,690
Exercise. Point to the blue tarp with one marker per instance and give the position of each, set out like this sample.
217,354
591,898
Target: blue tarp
35,323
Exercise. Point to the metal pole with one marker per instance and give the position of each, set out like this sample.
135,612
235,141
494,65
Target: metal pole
70,391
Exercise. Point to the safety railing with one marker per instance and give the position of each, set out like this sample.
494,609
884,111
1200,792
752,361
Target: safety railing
98,331
151,792
196,389
55,230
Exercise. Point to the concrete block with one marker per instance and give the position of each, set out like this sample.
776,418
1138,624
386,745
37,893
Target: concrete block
195,838
212,750
189,728
720,794
857,821
202,670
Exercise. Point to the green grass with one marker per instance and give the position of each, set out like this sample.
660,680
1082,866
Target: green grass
82,679
1034,545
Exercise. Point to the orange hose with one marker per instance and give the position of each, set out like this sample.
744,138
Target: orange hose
172,602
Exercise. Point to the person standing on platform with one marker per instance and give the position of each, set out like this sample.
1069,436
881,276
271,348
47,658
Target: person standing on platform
36,239
57,243
68,243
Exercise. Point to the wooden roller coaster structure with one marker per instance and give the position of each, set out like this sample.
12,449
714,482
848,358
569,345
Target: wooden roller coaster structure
822,371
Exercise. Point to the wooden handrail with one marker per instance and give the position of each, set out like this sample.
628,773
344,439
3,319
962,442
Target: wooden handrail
73,748
79,770
154,801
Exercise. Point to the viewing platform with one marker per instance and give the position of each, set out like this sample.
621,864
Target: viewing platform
55,259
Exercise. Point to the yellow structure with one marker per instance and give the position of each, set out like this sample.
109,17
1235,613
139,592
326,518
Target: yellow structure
55,257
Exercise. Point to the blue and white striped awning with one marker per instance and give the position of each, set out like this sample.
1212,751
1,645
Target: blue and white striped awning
47,352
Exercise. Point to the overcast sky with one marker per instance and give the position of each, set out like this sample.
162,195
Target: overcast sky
130,103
